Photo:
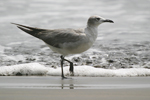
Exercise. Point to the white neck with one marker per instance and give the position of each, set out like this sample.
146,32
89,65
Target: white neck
91,32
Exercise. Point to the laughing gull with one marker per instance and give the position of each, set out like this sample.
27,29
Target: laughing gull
68,41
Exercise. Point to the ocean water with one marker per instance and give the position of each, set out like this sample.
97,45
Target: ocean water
124,44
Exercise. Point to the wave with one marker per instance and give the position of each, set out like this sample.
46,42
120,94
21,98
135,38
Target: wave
87,71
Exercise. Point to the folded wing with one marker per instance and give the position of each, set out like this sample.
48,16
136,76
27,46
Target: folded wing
54,37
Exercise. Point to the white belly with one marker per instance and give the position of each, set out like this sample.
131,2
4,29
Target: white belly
73,49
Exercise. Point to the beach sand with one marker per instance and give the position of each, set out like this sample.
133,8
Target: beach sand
79,94
85,88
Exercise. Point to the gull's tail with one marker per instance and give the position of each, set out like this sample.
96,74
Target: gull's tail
30,30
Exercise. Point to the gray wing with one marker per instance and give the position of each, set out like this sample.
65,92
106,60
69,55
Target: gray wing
54,37
59,36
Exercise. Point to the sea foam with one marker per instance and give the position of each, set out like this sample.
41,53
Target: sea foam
89,71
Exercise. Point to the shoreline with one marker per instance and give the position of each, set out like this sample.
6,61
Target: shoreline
56,82
85,88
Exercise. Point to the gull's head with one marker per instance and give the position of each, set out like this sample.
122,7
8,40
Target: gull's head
95,21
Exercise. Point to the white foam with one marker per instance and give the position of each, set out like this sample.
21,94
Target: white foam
14,58
23,69
2,48
14,43
38,69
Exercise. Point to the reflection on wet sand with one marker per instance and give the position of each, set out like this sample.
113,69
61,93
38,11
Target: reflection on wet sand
69,86
27,82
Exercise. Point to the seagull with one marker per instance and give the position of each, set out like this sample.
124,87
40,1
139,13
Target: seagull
68,41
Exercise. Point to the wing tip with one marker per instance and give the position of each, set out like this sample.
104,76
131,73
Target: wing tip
25,29
15,24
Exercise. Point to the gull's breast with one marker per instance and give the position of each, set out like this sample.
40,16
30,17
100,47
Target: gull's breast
81,48
72,48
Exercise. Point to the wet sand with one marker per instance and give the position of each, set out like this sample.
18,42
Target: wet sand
96,94
85,88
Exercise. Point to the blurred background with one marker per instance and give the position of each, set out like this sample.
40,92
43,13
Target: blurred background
124,44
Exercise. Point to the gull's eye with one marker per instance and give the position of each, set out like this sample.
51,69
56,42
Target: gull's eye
97,19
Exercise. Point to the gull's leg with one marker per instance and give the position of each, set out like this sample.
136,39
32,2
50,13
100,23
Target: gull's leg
62,72
71,69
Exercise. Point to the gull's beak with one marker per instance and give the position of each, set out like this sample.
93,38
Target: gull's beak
108,20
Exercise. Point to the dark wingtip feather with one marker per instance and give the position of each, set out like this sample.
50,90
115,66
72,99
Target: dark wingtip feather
13,23
30,30
24,26
25,29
